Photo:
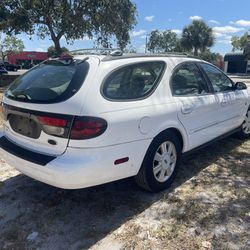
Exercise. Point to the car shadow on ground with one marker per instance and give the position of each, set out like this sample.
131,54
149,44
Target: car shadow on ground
78,219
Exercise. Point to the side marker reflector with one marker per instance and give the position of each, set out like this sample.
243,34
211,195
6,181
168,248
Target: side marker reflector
120,161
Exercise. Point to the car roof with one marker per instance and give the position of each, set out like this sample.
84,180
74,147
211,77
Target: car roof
109,57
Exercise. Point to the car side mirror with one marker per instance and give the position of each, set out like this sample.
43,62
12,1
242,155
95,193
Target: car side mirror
240,86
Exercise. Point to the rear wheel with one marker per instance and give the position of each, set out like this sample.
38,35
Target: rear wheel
245,127
160,164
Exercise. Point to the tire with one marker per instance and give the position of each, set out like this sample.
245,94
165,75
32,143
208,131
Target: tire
245,127
160,163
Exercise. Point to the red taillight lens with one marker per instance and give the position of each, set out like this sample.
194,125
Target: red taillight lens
87,127
52,121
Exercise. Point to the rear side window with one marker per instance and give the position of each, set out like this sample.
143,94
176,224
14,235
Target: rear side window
50,82
188,80
133,81
218,79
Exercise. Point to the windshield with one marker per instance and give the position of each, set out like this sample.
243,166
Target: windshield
49,82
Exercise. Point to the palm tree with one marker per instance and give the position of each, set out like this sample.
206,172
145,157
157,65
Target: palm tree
197,36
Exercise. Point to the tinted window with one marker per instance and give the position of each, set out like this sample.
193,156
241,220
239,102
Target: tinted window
133,81
188,80
49,82
218,79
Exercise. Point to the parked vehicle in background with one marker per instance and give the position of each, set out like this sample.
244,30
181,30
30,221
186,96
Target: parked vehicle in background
83,121
10,67
3,70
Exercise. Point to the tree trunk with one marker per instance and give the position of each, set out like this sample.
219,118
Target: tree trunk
57,46
55,38
2,54
195,51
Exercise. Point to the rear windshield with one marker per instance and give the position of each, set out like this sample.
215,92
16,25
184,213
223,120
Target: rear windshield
50,82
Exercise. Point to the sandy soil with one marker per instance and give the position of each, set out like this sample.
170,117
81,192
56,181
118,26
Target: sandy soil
206,208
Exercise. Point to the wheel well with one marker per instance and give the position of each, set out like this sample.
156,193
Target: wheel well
177,133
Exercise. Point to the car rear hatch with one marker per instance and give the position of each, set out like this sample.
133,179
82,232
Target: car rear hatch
30,103
38,131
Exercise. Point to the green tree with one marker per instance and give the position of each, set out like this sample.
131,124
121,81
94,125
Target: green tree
211,57
72,19
162,42
53,53
242,43
130,49
197,37
9,45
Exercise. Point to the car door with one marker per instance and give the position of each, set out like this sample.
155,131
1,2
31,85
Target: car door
232,102
197,105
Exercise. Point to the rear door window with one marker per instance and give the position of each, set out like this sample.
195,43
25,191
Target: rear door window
50,82
133,81
218,79
188,80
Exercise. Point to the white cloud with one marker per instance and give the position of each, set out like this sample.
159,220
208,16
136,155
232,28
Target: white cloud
223,38
226,29
85,38
178,32
149,18
40,50
243,23
140,32
224,33
218,35
214,22
225,41
195,18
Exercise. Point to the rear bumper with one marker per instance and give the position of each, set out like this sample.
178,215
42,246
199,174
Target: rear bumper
80,168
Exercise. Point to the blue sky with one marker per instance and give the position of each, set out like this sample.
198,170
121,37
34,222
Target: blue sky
226,17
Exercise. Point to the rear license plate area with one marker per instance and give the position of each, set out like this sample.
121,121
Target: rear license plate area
25,126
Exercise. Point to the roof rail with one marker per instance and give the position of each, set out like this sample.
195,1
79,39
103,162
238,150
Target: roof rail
136,55
181,54
97,51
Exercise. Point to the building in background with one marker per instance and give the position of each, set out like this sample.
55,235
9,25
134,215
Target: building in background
236,63
27,59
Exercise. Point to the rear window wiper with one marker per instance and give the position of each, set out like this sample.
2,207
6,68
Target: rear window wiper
82,60
23,96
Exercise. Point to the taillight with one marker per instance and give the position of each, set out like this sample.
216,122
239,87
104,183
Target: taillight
54,126
52,121
87,127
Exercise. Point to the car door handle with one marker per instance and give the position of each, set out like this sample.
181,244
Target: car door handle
187,109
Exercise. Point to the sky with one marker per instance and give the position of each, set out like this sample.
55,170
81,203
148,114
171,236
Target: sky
226,17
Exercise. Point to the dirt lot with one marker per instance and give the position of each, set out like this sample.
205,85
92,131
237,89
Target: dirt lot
208,207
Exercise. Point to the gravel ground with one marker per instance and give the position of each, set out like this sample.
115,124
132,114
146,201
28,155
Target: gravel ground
206,208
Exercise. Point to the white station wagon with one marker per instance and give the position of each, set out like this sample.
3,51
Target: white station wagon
86,120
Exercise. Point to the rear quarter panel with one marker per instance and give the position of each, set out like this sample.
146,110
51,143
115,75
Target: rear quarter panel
130,121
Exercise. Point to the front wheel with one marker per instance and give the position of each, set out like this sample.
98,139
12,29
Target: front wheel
160,164
245,127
